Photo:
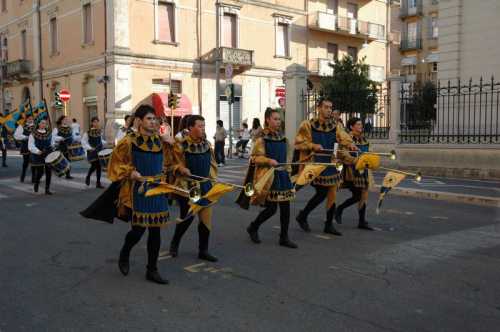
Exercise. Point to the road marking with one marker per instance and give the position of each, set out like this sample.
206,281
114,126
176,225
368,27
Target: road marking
70,184
231,177
439,217
230,171
14,184
394,211
2,196
324,237
104,179
194,268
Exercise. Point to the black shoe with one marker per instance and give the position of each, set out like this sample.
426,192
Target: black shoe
285,242
154,276
303,222
87,180
124,266
48,192
330,229
35,187
254,234
207,257
69,177
5,165
365,226
174,250
99,186
22,179
338,216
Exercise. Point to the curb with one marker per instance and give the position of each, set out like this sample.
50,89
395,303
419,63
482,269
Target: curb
444,196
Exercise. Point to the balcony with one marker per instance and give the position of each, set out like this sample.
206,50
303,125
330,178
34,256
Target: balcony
376,73
241,60
346,26
410,11
410,44
321,67
19,69
432,42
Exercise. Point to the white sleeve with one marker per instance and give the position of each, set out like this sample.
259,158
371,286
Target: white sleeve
55,137
85,142
103,141
18,134
76,136
31,145
119,135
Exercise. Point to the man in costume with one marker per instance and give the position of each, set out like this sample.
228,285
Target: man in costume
66,136
314,136
270,150
93,142
358,182
137,156
194,156
40,144
22,134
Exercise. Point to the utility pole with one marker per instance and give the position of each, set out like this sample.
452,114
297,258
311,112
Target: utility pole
217,60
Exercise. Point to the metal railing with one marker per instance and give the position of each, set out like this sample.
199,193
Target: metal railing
451,113
410,44
355,103
410,11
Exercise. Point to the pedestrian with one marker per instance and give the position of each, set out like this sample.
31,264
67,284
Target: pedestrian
123,130
136,157
220,141
256,130
194,156
314,135
93,142
368,125
3,144
337,116
64,134
75,127
40,144
270,150
22,134
357,182
244,137
183,131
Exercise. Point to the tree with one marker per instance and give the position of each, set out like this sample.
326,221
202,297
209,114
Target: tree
420,109
350,87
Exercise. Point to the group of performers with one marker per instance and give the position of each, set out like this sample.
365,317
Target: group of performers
144,161
37,140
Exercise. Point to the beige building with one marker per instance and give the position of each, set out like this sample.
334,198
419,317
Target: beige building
419,40
114,54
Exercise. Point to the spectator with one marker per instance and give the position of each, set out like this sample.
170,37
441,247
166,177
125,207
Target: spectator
244,138
336,116
256,130
368,125
220,141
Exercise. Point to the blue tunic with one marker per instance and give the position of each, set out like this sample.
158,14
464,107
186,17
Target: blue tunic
282,187
198,158
325,134
43,142
147,158
67,134
95,141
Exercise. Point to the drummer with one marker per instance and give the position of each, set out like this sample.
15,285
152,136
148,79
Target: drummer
93,142
65,135
21,135
40,144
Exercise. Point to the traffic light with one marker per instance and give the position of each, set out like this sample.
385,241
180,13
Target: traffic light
230,93
173,101
58,104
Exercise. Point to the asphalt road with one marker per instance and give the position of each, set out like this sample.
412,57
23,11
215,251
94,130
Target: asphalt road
433,266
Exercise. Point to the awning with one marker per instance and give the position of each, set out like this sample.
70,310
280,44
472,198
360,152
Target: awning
409,61
160,104
432,57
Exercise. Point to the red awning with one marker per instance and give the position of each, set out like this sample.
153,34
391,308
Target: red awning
160,104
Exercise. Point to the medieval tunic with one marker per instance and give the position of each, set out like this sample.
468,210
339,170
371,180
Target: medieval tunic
272,145
93,142
353,177
146,155
40,144
68,138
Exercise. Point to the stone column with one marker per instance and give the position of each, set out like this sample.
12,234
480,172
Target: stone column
395,125
295,78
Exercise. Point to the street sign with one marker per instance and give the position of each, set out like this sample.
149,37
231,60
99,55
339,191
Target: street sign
282,102
64,95
229,71
280,92
227,92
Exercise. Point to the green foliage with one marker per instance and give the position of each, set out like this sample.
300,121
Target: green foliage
350,87
420,108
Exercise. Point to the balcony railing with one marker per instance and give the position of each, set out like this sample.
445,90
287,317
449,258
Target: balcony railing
18,69
410,11
346,26
321,67
410,44
240,59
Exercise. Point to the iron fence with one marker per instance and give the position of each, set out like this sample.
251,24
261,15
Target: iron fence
460,113
372,107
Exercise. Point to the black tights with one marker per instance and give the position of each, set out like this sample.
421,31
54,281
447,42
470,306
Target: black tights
355,198
154,243
95,166
26,162
270,210
4,155
181,228
38,173
319,196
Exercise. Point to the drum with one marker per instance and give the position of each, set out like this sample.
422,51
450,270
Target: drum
58,163
104,156
76,152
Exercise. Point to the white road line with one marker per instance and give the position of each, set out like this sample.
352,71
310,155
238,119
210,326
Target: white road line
230,171
16,185
231,177
69,184
2,196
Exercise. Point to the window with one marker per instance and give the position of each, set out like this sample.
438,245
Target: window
166,22
353,53
53,35
332,52
24,45
282,42
176,86
412,31
412,3
4,5
352,10
87,24
332,7
229,30
434,27
410,70
434,67
5,50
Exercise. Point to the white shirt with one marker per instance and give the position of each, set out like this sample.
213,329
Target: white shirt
18,134
31,144
85,142
76,128
121,133
245,134
55,134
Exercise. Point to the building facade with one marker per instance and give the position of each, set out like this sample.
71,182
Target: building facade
114,54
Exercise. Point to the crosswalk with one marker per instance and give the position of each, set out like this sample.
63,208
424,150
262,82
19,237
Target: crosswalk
11,187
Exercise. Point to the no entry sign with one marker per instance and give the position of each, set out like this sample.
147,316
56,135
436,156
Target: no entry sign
64,95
